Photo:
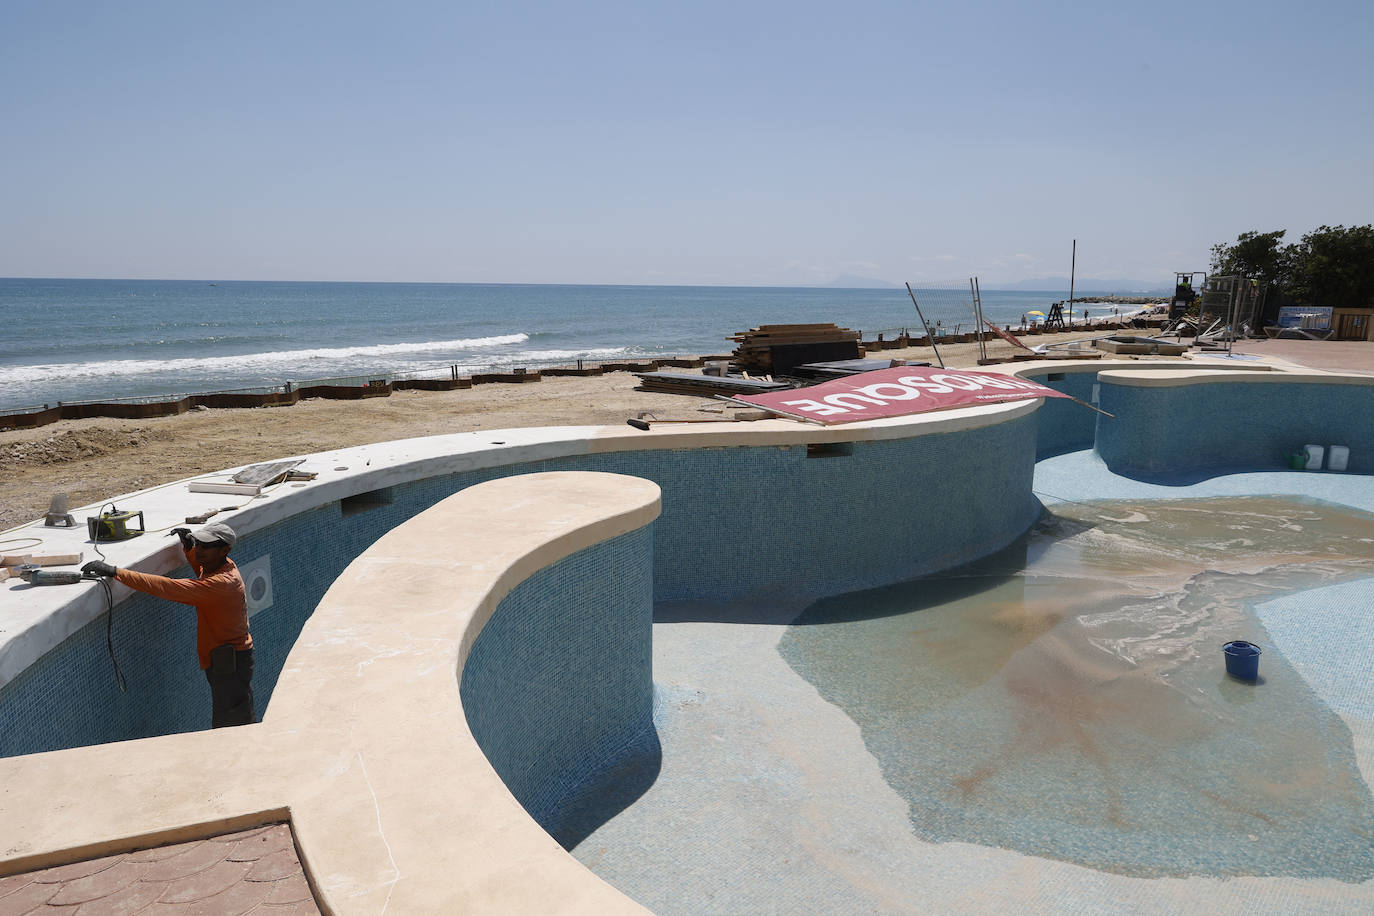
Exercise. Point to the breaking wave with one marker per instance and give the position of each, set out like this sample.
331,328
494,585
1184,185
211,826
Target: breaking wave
272,364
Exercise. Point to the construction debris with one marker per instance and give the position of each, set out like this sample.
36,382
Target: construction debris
843,367
1142,345
269,473
704,385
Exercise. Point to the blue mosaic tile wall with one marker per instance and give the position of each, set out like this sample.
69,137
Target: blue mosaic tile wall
558,686
773,521
1184,431
71,698
736,522
1065,426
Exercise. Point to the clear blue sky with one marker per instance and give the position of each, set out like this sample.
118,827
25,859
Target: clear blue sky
696,143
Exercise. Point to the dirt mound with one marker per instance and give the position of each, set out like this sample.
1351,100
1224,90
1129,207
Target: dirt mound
73,445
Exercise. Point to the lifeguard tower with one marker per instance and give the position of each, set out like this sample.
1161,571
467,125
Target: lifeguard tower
1185,293
1055,321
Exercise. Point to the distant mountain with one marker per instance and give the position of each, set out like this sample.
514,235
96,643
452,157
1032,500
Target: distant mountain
1055,284
850,281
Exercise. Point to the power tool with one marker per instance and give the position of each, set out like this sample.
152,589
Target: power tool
34,574
113,525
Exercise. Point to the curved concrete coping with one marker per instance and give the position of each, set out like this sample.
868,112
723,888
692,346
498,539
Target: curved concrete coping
1176,377
365,745
33,620
1142,364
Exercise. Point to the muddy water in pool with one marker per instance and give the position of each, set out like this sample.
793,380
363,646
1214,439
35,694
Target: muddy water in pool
1067,698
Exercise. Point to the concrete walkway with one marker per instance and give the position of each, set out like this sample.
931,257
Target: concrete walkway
1332,355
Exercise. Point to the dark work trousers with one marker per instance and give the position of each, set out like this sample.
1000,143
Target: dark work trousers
231,692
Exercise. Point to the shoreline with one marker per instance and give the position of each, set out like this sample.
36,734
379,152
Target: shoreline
94,459
99,457
267,334
349,387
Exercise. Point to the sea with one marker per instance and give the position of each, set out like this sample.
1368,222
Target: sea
83,340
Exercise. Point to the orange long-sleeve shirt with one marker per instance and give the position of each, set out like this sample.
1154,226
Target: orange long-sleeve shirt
219,600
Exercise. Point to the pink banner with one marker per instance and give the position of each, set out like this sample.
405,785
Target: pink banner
897,392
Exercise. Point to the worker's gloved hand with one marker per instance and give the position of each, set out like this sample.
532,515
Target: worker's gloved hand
97,569
184,534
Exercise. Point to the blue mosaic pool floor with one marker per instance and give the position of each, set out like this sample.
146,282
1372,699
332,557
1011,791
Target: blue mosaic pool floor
1066,698
1083,476
770,802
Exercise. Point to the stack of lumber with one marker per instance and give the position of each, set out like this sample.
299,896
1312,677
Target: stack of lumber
775,348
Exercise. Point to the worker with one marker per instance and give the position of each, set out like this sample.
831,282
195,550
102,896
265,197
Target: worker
223,642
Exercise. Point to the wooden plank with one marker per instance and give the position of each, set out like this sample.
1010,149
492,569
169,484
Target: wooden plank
54,559
237,489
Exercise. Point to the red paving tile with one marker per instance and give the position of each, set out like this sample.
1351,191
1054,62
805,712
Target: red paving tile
27,898
290,890
305,908
252,871
247,834
205,883
197,857
158,853
132,899
64,873
264,844
280,864
102,883
235,900
15,882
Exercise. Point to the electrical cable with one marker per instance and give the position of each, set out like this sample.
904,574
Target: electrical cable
120,680
109,606
95,535
1062,499
36,542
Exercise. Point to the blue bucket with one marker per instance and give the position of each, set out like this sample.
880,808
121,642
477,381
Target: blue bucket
1242,659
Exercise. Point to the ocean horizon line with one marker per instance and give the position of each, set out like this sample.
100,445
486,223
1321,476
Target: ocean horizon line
956,283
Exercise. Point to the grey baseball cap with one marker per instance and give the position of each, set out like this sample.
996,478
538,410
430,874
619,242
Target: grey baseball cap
216,532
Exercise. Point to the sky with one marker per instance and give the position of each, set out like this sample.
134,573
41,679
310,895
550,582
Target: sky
712,143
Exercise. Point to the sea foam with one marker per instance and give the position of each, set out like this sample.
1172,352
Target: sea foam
278,363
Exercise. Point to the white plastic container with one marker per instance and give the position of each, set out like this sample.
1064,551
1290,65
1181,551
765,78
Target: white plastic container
1339,458
1314,457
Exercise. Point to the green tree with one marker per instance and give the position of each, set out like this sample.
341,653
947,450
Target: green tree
1256,255
1333,266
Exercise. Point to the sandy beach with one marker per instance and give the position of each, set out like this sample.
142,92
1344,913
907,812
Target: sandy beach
98,458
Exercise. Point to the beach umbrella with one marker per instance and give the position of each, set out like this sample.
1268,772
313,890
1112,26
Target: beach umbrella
1041,314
